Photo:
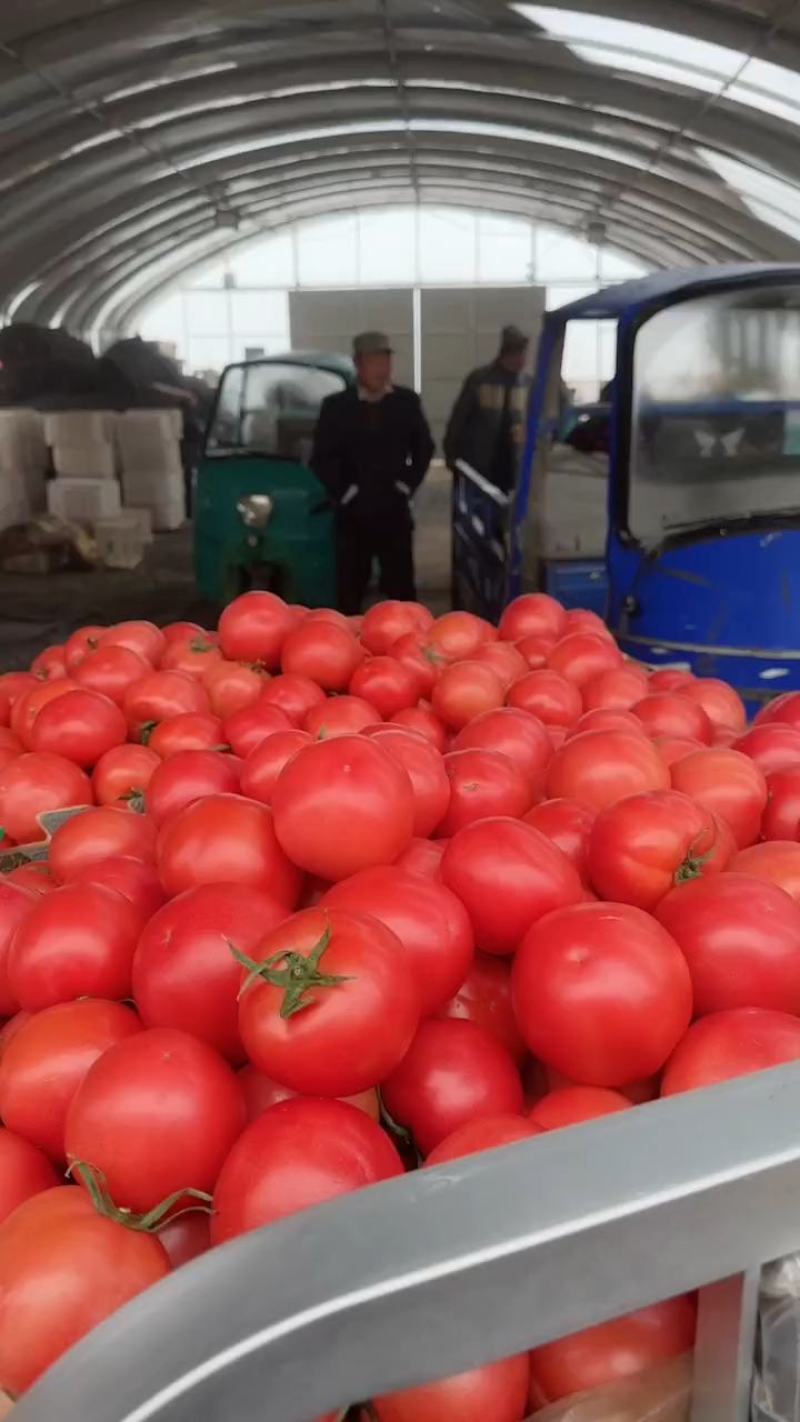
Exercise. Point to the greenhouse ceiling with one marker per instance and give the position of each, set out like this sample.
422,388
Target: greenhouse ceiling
140,137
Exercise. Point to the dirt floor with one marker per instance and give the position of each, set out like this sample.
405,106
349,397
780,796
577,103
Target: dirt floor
38,611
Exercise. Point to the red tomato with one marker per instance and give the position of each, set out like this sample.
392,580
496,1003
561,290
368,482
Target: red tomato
34,784
48,1059
423,856
454,1072
601,767
50,664
225,839
185,1238
330,614
136,881
611,1351
532,615
602,993
571,1105
549,696
741,939
412,652
326,1038
123,773
263,766
772,747
667,713
297,1154
387,621
16,902
674,748
784,709
9,742
729,1044
536,650
13,685
246,729
323,652
79,644
183,631
423,720
617,689
76,942
343,805
32,876
642,847
487,1133
506,662
160,695
778,861
339,716
27,707
431,923
24,1171
230,687
261,1092
670,679
87,840
193,658
722,705
254,628
485,999
463,691
582,619
727,783
781,818
184,973
188,732
497,1391
581,656
517,734
508,876
111,671
425,769
386,684
81,726
157,1114
189,776
568,824
144,638
10,1029
606,720
294,695
54,1237
456,635
483,783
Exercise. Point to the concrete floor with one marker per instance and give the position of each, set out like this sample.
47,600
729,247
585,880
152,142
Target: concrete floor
38,611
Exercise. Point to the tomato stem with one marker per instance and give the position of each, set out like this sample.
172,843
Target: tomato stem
96,1185
135,798
146,732
201,645
291,972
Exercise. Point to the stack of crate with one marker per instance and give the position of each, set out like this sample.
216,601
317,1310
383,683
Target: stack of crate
83,448
149,445
23,466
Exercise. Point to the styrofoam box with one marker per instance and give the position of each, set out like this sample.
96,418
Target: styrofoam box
83,500
80,427
163,494
15,505
120,542
86,461
150,439
169,422
23,452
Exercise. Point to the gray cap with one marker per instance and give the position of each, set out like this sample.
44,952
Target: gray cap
372,343
512,340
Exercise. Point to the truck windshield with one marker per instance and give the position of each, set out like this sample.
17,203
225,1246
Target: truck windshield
716,412
271,409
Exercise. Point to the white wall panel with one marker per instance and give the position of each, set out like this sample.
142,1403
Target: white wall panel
328,321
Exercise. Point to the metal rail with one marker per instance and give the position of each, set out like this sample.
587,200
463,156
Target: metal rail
449,1268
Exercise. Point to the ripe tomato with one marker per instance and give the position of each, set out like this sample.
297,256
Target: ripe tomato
50,664
412,652
611,1351
30,703
617,689
24,1171
323,1037
642,847
231,687
507,663
548,695
387,684
568,824
144,638
772,747
387,621
463,691
532,615
225,839
425,769
185,1238
423,720
602,993
111,671
87,840
601,767
670,679
456,635
339,716
13,685
261,1092
245,730
54,1237
183,631
570,1105
294,695
157,1114
77,646
184,973
47,1060
485,999
722,705
777,861
582,619
262,767
507,875
605,720
516,734
343,805
781,818
299,1153
16,902
741,939
498,1391
81,726
34,784
728,1044
784,709
486,1133
454,1072
191,655
32,876
483,783
76,942
160,695
189,776
729,784
431,923
186,732
254,627
581,656
669,713
423,856
674,748
536,650
123,773
323,652
136,881
10,1029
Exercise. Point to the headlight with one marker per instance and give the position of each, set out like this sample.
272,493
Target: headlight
255,510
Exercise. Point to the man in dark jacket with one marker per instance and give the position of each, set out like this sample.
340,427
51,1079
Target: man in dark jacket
372,448
487,425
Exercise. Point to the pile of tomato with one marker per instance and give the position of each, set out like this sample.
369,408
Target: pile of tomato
358,896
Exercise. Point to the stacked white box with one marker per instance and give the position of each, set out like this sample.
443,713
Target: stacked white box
23,452
162,493
82,442
150,440
15,503
83,500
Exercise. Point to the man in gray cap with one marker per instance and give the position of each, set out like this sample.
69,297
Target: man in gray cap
486,428
372,448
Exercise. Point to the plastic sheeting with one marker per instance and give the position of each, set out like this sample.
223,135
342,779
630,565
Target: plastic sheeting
776,1389
660,1395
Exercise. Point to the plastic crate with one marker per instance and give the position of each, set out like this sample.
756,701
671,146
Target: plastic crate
121,541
